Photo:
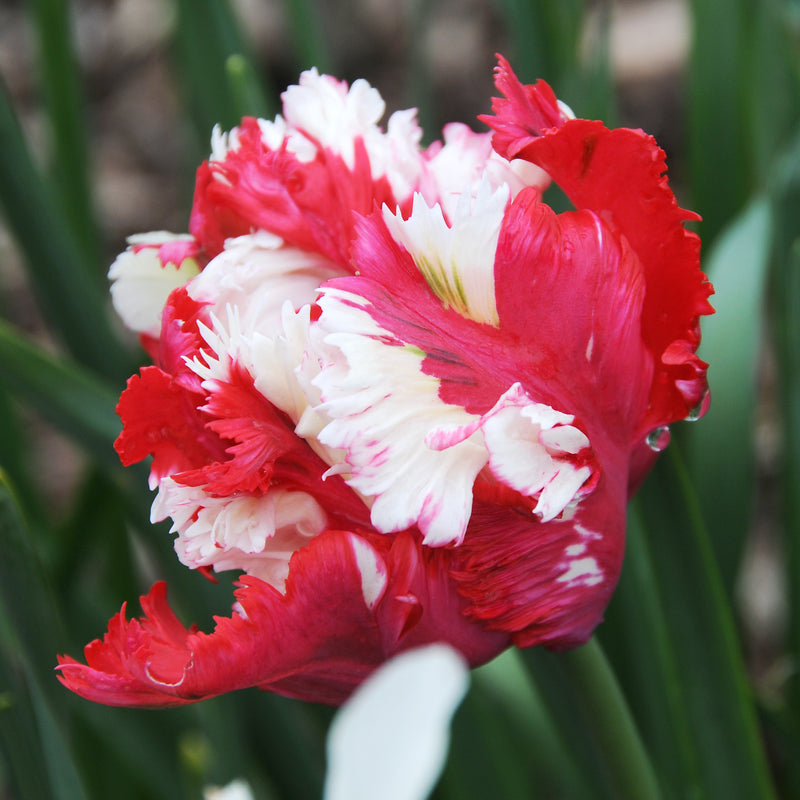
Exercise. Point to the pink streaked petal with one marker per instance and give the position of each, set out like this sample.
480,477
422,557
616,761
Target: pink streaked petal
590,163
254,534
545,583
311,205
530,448
381,407
523,114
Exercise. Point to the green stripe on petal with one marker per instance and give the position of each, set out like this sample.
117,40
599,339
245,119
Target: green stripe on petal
456,258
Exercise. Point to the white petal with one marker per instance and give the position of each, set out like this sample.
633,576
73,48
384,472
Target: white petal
456,260
461,162
140,284
381,408
529,444
255,534
257,274
390,740
235,790
329,113
372,569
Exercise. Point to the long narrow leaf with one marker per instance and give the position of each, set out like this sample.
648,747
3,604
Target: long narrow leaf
785,297
73,400
30,615
637,636
707,653
722,455
71,301
308,35
207,35
534,740
720,153
64,100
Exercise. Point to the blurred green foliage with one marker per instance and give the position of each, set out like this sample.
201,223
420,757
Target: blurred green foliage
671,673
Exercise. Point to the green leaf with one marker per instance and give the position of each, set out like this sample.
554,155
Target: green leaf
206,35
703,640
19,739
61,83
636,635
785,319
722,455
73,400
72,301
720,152
528,732
306,22
30,614
546,42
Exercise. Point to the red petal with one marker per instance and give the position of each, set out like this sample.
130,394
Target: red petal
160,418
308,204
513,568
523,114
317,642
620,175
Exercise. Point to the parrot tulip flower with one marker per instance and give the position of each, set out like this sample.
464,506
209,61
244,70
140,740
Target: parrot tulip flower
396,392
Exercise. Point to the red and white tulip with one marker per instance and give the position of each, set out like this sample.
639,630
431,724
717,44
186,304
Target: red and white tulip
396,392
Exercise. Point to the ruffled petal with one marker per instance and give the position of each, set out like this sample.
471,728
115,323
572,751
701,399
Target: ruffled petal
545,583
144,275
620,175
317,641
311,205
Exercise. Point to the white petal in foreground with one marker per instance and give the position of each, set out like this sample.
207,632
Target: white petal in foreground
235,790
390,740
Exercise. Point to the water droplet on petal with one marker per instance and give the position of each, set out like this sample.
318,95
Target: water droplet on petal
700,409
658,438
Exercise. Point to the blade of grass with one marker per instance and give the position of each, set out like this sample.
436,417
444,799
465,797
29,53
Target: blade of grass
63,95
607,715
773,84
70,300
544,37
533,737
587,705
721,164
419,91
719,701
19,739
546,43
785,307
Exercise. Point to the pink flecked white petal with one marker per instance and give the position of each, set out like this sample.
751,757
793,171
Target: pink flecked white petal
381,407
141,281
456,258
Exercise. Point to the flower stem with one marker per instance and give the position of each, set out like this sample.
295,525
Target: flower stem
599,695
